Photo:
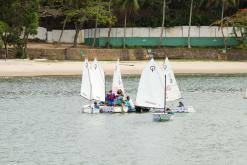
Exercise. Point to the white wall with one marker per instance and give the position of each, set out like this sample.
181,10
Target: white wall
68,36
178,31
42,32
53,36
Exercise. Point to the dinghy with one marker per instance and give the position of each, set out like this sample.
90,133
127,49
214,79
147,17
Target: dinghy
92,86
117,83
172,90
151,92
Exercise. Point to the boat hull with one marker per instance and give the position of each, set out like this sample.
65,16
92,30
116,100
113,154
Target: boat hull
188,109
114,109
90,109
161,116
141,109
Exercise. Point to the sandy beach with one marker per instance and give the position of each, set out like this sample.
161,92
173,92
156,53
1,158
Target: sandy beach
11,68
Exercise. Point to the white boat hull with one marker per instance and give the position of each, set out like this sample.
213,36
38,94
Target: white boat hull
90,109
188,109
112,109
161,116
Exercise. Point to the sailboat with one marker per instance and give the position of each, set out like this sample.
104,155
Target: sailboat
92,86
172,90
117,83
151,91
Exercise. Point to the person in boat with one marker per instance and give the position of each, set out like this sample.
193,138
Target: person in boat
110,97
95,105
180,104
120,98
168,110
130,103
180,107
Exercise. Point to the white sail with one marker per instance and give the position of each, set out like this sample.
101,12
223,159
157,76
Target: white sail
172,90
86,86
98,82
151,87
117,82
245,96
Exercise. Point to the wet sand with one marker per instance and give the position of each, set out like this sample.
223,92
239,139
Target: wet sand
15,67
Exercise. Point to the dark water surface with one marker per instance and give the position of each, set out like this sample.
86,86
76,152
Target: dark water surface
41,123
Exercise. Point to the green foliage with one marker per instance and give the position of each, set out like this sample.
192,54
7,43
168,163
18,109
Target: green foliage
99,10
129,5
20,19
239,23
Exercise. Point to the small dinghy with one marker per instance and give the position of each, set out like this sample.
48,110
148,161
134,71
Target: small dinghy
172,90
151,92
93,89
92,86
117,84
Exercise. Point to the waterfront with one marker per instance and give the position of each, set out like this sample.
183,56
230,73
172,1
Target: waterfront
41,123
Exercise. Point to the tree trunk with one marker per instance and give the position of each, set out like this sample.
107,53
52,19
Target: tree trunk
108,37
125,22
4,39
76,35
191,9
221,26
61,34
95,32
110,26
163,22
6,49
25,45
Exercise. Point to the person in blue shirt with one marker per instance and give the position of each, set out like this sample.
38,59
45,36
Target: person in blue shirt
110,97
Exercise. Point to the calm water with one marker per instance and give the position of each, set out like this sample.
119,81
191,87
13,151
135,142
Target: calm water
41,123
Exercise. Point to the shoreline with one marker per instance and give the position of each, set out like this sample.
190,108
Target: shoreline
29,68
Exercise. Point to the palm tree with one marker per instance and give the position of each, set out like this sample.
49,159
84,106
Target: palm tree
163,21
224,4
191,9
110,25
128,6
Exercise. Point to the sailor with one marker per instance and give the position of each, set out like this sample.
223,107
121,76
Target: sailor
96,106
180,107
167,110
180,104
110,97
120,98
120,92
130,103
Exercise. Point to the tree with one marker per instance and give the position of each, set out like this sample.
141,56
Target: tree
99,12
163,22
3,36
77,14
191,9
20,19
239,23
112,21
224,4
26,24
128,6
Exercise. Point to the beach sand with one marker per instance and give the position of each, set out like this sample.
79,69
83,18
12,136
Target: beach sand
15,67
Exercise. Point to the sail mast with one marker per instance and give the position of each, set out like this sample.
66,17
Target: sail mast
89,77
165,96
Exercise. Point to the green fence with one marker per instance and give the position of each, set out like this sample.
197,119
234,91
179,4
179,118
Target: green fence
168,41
